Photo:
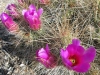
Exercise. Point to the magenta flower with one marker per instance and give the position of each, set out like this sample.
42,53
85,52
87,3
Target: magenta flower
32,16
75,57
46,58
9,23
44,1
12,8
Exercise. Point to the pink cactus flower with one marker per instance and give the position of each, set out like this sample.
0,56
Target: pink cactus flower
44,1
46,57
32,16
76,58
12,8
9,23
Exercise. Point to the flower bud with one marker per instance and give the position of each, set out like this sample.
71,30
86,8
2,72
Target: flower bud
12,10
46,57
32,16
9,23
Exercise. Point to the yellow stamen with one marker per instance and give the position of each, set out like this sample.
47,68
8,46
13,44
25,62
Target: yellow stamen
72,60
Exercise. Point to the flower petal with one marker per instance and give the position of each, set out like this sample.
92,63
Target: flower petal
47,48
11,7
89,54
71,49
7,20
4,17
80,50
64,53
76,42
83,67
52,61
24,11
32,7
40,11
42,53
67,62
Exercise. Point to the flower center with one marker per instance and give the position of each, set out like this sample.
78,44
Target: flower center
73,61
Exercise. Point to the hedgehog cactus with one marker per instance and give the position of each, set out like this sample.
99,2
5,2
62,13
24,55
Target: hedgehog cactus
59,27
